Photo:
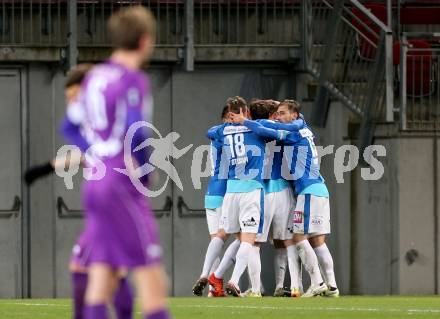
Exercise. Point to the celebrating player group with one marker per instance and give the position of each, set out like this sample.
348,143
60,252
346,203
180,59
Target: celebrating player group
266,182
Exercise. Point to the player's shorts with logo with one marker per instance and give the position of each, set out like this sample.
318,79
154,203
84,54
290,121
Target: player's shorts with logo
241,212
311,215
277,206
213,217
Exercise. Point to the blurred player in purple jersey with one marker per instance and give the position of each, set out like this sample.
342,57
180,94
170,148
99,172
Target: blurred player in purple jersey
120,226
123,300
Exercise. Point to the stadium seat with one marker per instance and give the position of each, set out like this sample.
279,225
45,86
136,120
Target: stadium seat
420,16
370,32
420,75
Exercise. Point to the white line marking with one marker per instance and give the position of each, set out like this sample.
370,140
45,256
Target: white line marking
348,309
35,304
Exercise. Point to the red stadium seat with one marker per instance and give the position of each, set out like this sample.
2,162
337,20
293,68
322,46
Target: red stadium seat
419,67
420,15
369,30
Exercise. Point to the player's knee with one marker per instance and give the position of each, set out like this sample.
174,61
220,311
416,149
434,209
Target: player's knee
248,238
222,235
317,241
298,237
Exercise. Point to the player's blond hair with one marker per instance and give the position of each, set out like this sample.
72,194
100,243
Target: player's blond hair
128,25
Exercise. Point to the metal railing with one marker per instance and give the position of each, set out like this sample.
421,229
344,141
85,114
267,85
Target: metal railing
33,22
93,16
244,22
418,82
45,22
351,58
216,22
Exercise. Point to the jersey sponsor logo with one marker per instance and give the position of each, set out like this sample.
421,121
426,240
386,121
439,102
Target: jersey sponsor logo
249,223
317,221
298,217
235,129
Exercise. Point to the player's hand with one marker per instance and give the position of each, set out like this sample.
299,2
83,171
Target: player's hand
35,172
237,118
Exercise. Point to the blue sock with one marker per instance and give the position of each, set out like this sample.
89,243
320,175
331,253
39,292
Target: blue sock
159,314
123,300
95,312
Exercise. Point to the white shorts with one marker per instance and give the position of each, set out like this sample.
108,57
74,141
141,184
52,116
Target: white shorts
241,212
311,216
213,219
277,206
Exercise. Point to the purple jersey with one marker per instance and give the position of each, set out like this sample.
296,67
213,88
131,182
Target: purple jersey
112,98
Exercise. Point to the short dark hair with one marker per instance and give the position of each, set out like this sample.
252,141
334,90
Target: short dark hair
128,25
292,105
236,103
272,106
225,111
258,109
76,75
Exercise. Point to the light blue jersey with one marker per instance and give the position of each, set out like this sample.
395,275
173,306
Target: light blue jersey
216,187
272,177
243,155
301,151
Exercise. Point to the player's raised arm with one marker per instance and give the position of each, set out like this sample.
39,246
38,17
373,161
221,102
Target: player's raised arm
259,129
293,126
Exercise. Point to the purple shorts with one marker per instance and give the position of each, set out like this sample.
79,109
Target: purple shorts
120,230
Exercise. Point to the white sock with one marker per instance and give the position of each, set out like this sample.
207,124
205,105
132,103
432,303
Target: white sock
326,263
300,275
213,251
254,269
280,264
215,265
241,261
292,259
310,261
228,259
